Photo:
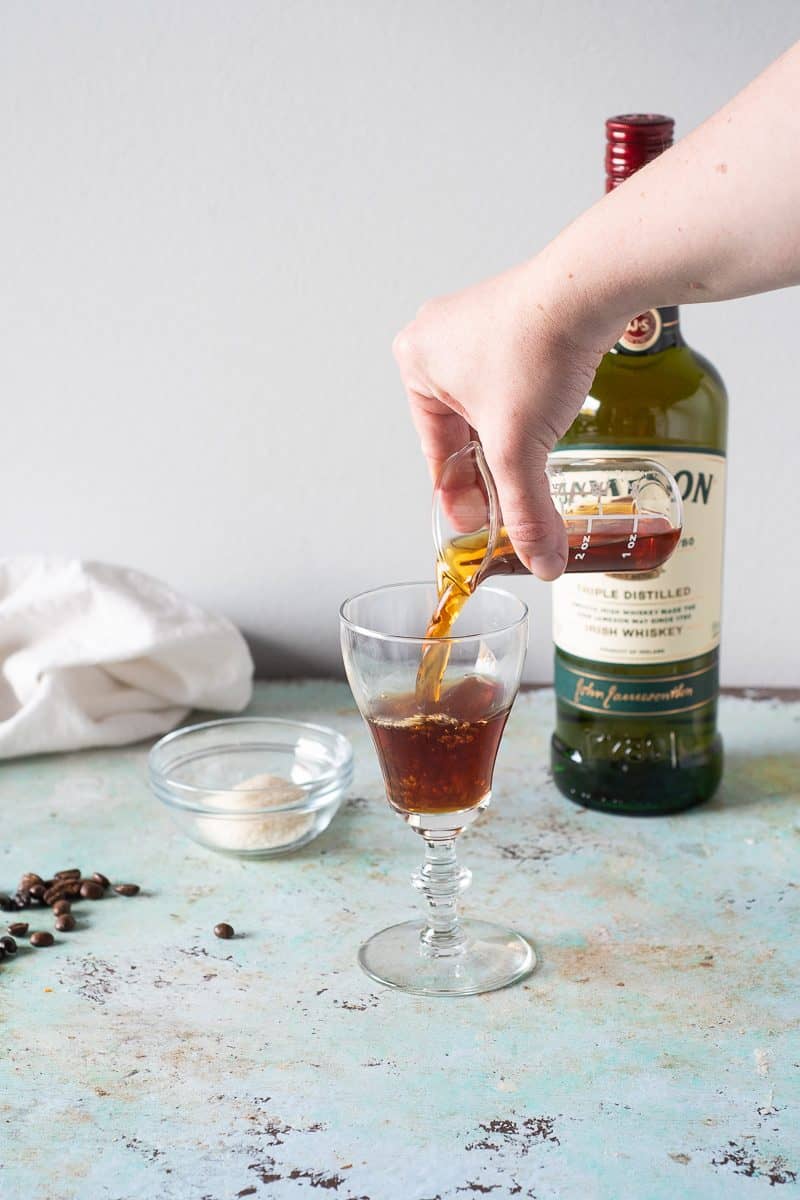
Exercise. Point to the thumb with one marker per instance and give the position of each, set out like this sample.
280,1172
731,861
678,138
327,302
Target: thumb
518,464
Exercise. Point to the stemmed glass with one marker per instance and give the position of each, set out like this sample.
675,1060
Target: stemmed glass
437,756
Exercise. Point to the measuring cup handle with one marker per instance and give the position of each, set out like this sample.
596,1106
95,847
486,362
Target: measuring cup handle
465,499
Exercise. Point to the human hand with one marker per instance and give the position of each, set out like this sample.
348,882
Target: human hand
511,362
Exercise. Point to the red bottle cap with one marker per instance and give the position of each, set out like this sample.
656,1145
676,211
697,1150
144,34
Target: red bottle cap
633,140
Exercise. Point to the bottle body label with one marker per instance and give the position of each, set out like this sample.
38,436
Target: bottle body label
664,616
608,694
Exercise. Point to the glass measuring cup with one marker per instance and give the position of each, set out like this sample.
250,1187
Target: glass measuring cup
621,515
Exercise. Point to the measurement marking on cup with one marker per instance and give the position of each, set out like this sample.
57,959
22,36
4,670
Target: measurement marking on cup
585,541
633,537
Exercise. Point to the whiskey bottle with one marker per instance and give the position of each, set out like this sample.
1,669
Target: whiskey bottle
637,657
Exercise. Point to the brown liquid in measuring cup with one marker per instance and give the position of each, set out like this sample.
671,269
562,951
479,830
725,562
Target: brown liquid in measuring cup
613,542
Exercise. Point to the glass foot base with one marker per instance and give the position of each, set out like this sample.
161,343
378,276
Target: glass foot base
493,957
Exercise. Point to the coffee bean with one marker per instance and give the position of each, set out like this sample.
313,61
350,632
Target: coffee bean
65,887
41,938
91,890
65,923
70,873
100,878
36,891
18,928
21,899
2,953
61,890
58,885
60,907
6,904
223,930
28,880
8,944
127,889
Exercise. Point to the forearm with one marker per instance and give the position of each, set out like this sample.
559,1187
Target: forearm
717,216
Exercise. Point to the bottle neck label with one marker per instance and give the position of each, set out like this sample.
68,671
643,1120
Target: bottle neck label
651,332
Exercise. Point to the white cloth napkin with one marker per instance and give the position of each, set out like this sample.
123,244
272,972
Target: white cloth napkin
98,655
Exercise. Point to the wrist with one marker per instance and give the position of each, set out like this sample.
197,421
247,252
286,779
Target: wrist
588,296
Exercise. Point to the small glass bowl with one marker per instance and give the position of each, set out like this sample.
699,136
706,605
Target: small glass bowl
295,777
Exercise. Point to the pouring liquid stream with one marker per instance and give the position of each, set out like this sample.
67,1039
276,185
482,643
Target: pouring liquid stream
614,536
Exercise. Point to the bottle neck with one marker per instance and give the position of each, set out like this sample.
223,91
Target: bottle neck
651,332
632,141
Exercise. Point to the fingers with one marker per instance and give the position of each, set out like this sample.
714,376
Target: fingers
441,427
518,464
441,430
461,501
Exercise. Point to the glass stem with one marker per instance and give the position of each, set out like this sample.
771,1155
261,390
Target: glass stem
440,879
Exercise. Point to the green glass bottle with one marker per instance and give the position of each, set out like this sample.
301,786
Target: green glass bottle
636,659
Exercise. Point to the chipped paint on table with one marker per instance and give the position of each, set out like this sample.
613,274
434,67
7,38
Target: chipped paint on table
654,1053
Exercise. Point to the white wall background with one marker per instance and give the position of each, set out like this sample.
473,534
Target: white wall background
215,215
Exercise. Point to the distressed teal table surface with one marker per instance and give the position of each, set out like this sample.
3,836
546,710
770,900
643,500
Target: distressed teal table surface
654,1054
